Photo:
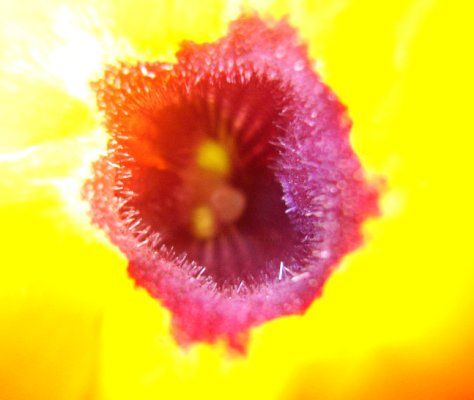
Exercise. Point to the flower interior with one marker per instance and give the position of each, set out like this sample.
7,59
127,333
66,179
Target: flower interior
229,182
203,178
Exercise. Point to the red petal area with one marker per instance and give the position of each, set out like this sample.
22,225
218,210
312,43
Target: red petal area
286,133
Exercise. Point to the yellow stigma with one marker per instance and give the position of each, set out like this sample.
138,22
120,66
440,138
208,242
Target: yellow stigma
203,223
213,157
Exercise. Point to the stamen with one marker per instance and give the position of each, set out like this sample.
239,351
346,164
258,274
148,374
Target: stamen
213,157
203,223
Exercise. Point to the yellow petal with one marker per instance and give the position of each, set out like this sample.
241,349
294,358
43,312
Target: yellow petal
392,317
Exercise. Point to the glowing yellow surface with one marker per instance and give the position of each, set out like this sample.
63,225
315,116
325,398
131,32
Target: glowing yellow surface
395,320
211,156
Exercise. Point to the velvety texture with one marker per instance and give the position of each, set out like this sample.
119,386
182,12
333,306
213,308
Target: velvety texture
255,92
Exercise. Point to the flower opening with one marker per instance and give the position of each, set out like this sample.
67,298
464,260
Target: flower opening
229,183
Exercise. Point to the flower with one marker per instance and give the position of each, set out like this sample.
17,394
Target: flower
229,182
393,321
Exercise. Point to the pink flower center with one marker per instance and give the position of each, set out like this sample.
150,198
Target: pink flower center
230,183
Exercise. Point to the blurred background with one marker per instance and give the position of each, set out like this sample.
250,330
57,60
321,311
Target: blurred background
395,320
